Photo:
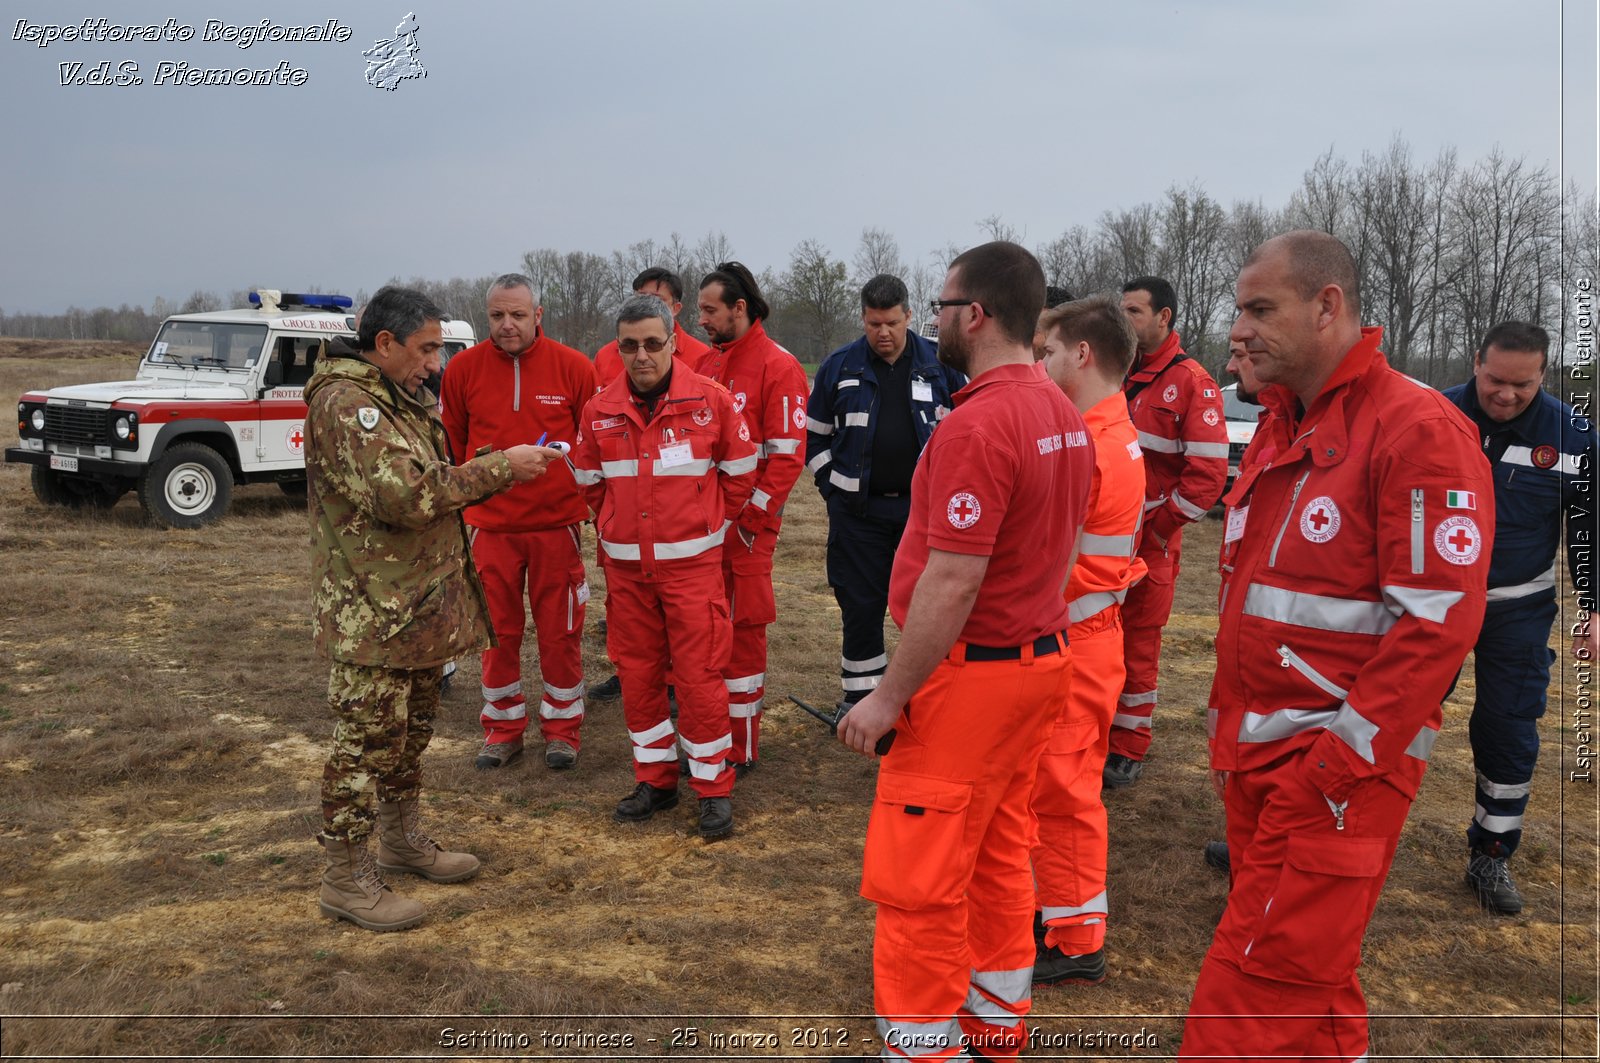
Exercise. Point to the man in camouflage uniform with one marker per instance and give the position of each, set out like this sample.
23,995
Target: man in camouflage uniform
395,593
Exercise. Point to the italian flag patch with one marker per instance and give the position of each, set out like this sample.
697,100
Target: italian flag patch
1460,500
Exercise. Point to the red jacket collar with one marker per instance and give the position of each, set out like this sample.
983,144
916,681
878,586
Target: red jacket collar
755,335
687,387
1326,418
1158,360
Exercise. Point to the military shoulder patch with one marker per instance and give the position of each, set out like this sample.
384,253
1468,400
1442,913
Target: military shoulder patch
368,417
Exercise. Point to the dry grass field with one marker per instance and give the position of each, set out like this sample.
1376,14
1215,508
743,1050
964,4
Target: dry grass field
161,730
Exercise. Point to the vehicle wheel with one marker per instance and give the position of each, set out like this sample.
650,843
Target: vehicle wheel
186,487
64,489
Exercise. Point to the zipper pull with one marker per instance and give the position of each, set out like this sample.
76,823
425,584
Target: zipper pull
1283,652
1338,811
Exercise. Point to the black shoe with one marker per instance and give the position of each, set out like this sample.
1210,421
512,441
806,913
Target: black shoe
644,802
743,768
1120,771
1217,855
1051,966
1490,877
610,690
716,817
1039,930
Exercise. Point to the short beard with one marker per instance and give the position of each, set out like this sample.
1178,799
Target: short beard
955,353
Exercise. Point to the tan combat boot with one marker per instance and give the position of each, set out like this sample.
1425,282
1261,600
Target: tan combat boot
402,846
351,889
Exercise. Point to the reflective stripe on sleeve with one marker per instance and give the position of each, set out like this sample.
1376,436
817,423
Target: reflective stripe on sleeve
782,446
1095,904
1131,723
1423,604
1107,545
1355,730
1542,582
1205,450
761,498
587,477
1285,723
1160,444
846,483
822,458
821,428
738,466
857,420
1187,508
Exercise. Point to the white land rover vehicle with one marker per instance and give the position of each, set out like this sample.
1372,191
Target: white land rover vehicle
216,402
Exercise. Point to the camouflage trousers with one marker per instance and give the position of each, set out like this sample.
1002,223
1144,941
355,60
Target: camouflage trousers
383,721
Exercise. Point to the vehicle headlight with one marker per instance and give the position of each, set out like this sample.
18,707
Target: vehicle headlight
37,420
123,428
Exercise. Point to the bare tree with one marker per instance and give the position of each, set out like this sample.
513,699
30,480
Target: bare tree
1192,228
1129,237
814,302
879,252
995,229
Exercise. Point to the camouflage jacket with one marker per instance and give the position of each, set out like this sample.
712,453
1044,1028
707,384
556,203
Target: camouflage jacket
393,581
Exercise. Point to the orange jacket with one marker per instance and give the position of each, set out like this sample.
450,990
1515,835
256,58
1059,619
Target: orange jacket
686,351
1108,562
1177,409
1359,580
491,399
666,488
769,388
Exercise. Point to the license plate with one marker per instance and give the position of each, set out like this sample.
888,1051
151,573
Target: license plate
63,463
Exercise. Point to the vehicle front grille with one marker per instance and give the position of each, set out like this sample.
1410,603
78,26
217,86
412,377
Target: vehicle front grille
77,424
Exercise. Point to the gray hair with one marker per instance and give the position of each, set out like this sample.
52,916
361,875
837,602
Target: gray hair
514,280
643,308
397,311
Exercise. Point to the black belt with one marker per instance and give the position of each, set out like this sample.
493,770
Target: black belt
1043,646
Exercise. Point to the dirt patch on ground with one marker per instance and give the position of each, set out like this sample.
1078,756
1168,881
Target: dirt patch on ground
161,733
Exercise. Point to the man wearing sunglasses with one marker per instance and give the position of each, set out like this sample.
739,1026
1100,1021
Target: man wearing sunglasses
769,389
666,462
668,287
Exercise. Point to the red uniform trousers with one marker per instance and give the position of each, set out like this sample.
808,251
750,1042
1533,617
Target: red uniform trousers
1280,977
947,857
547,567
678,618
747,572
1069,855
1144,614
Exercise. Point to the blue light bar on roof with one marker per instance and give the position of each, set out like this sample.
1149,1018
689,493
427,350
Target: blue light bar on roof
331,302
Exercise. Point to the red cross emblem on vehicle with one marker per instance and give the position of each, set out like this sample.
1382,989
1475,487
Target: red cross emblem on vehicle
1458,540
296,438
1320,520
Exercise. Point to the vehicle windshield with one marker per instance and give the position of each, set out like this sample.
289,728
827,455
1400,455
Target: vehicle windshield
208,343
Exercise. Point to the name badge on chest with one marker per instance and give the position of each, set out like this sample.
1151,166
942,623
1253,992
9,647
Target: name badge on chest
921,391
677,454
1236,521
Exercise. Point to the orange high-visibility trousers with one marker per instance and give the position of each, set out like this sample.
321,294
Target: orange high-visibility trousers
1279,980
947,857
1069,856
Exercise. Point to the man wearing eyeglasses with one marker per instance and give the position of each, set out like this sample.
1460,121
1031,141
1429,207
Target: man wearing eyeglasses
873,406
769,389
666,462
521,386
981,674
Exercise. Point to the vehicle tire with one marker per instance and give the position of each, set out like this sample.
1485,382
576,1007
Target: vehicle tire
188,486
64,489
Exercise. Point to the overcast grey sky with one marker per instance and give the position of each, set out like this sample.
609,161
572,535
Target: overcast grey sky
591,126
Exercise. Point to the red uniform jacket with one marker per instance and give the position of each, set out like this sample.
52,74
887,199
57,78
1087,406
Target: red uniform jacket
686,351
665,489
1177,409
1358,584
490,398
769,388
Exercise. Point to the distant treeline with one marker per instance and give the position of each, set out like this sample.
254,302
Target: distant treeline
1445,250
